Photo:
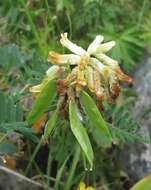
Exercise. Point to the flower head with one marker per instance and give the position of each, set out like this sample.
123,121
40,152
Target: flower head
91,67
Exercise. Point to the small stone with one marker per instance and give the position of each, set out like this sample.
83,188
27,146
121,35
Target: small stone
136,157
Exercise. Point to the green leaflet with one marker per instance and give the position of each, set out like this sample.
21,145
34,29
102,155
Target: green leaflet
42,102
50,125
143,184
101,132
7,148
80,132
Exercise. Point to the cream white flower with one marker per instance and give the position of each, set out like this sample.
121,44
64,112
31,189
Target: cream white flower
106,60
71,46
91,67
95,44
95,49
57,58
95,63
103,48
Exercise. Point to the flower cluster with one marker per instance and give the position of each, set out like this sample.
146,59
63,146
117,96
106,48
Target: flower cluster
90,68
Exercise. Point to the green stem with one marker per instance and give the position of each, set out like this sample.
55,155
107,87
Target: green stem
60,173
73,168
33,156
48,10
49,167
141,13
70,23
33,27
41,174
3,137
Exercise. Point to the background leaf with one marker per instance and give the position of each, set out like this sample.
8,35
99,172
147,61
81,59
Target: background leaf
7,149
143,184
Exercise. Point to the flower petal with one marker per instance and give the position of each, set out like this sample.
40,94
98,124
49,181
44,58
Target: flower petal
89,188
52,73
39,87
35,89
71,46
95,44
57,58
106,60
95,63
105,47
89,77
82,186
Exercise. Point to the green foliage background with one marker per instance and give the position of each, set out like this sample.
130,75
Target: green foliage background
28,31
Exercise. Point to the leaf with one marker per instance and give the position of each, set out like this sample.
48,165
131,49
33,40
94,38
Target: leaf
2,107
129,47
38,126
11,55
10,111
50,125
143,184
123,136
80,132
60,172
8,148
20,127
96,119
43,101
28,133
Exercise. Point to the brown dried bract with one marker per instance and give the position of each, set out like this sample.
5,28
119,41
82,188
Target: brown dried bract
38,126
61,87
114,86
123,76
98,89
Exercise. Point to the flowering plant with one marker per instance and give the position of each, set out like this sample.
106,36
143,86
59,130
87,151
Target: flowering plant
78,81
